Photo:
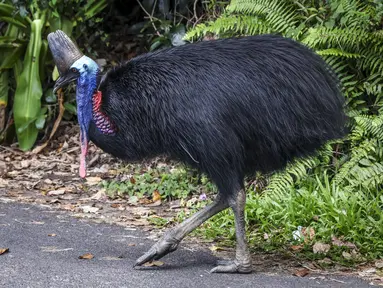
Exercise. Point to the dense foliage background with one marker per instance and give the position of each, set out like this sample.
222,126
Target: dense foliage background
337,193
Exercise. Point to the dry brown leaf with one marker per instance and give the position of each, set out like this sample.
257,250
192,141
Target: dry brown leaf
99,195
379,264
91,181
154,204
296,247
301,272
4,250
132,244
52,235
115,205
321,248
86,256
340,243
132,180
308,234
153,263
156,196
144,201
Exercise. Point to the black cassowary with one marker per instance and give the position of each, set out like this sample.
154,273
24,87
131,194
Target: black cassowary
227,107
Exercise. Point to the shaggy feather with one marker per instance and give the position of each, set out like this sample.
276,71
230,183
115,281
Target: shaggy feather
227,107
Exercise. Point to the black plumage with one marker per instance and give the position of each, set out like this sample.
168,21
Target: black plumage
227,107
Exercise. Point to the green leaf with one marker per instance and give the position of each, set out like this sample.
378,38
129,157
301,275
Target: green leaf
40,122
13,21
28,93
70,107
50,97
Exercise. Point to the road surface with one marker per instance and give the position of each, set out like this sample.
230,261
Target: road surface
38,260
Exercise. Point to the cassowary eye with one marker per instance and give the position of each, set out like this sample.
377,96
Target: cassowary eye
74,70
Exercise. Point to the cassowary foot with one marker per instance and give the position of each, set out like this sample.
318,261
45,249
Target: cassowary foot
165,245
233,266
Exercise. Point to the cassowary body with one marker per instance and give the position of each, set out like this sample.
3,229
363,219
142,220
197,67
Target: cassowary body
226,107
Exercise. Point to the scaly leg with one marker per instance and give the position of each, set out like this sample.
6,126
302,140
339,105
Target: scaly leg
169,242
242,261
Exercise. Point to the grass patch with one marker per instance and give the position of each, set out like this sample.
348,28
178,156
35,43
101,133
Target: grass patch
317,205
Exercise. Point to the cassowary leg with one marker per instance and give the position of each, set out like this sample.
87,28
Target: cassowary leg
242,261
170,240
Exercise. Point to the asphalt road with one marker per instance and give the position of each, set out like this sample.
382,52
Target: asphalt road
38,260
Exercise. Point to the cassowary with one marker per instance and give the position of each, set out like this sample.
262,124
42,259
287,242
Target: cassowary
227,107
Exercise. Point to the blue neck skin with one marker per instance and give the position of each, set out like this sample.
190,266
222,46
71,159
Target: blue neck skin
86,86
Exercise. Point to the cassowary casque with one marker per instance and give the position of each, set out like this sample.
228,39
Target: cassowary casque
227,107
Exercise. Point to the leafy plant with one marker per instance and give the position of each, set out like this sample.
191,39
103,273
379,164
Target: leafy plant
26,49
348,35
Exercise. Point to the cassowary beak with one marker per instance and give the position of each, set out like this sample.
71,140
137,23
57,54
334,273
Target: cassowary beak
65,53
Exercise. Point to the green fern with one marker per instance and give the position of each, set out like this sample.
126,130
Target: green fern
349,36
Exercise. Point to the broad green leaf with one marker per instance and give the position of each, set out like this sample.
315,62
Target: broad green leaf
40,122
27,104
43,57
70,107
50,97
55,74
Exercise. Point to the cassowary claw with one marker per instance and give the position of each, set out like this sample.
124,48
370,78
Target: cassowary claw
164,246
232,266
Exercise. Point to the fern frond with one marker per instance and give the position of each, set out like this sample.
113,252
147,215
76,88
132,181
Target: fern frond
280,15
231,24
368,126
344,39
338,53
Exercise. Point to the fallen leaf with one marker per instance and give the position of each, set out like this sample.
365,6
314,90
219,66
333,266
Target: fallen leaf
86,256
154,204
379,264
52,235
153,263
301,272
308,234
340,243
321,248
156,196
89,209
326,261
91,181
132,244
214,248
132,180
99,195
66,197
56,192
4,250
346,255
115,205
296,247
